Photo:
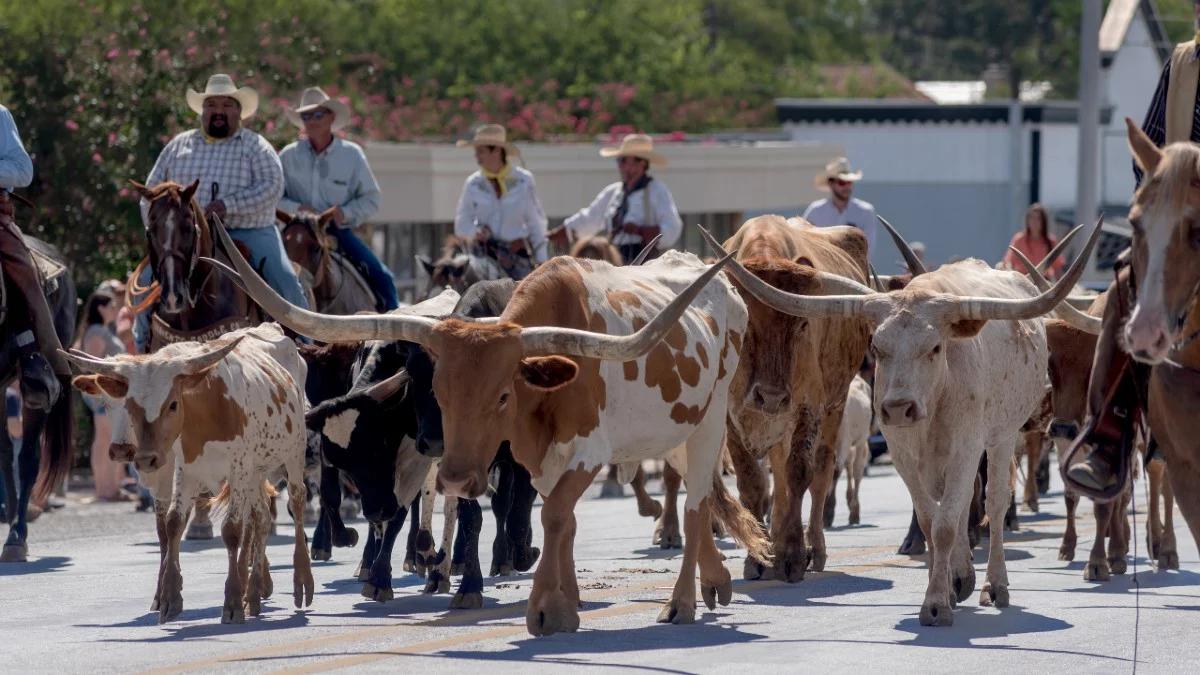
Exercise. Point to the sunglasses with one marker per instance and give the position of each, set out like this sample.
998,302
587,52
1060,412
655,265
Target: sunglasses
839,182
629,160
314,115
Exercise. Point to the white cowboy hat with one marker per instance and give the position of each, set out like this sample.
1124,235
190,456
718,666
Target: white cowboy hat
839,169
222,85
636,145
313,98
490,134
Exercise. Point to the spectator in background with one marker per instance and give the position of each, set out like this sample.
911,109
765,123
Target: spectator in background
98,337
840,207
1035,242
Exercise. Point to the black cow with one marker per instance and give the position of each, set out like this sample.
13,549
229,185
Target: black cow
385,433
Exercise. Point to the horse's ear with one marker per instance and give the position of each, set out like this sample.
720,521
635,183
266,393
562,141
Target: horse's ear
142,190
326,216
189,191
283,216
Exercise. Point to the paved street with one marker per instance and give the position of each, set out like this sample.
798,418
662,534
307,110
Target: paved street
80,606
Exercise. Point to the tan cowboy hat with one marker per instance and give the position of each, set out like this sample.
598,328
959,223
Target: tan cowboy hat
313,98
490,134
222,85
840,169
636,145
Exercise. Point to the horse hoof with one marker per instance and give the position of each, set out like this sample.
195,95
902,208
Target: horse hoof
14,553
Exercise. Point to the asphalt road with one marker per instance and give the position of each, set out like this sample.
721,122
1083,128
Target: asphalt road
80,605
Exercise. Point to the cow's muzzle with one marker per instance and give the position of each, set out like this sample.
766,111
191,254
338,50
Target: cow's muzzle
768,398
901,412
121,452
147,462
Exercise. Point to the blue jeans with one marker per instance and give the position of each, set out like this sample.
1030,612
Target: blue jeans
267,255
378,276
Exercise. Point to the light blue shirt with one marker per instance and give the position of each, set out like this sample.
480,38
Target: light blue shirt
823,213
16,169
338,176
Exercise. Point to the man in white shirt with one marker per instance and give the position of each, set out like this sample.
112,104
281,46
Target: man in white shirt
840,207
634,210
322,171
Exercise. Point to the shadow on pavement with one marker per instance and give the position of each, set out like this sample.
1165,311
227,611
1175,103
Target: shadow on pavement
211,628
815,585
50,563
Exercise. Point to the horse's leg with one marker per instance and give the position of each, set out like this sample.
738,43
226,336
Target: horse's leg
16,547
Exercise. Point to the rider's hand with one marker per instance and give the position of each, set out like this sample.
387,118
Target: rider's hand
483,233
558,236
648,232
215,207
338,216
629,228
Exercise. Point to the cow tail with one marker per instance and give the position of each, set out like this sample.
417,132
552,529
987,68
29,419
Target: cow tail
741,524
220,503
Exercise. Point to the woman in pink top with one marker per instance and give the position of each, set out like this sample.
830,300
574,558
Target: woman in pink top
1035,242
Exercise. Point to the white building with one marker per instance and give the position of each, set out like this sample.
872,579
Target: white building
959,176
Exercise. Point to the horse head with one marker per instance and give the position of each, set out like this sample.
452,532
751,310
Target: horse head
177,235
305,240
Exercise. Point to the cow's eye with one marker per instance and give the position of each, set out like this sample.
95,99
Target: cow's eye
937,349
1194,236
503,399
174,406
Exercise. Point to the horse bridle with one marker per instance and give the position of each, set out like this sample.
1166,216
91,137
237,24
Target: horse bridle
324,262
162,255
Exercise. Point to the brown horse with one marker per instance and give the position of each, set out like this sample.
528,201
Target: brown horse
1165,322
337,287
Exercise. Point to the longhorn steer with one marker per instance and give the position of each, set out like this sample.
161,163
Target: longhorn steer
789,390
567,416
955,373
853,446
219,416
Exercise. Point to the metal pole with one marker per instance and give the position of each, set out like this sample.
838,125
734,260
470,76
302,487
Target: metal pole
1089,111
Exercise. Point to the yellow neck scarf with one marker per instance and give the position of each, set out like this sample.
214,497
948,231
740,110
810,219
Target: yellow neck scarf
501,177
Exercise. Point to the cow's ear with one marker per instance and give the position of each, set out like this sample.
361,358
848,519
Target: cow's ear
101,385
548,373
426,263
189,380
1145,152
967,328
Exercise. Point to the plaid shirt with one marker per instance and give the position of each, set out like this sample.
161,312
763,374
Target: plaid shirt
245,169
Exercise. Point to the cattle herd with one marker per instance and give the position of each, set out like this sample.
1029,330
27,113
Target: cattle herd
750,364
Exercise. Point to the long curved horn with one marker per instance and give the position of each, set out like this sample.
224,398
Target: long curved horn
879,287
541,340
814,306
1014,309
89,364
1065,310
199,362
910,258
1058,249
641,257
324,327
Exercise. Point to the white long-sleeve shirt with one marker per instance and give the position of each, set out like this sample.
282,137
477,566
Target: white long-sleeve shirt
16,169
823,213
652,205
338,176
518,215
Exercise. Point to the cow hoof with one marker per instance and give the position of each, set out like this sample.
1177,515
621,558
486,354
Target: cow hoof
457,569
154,605
346,539
678,611
1096,571
303,588
936,615
253,605
753,569
816,561
364,573
268,586
409,566
501,570
377,593
169,608
854,518
14,553
436,583
551,613
321,554
1117,565
912,546
650,509
199,531
964,586
525,558
714,594
233,613
349,509
611,489
829,518
993,596
467,601
791,571
1066,553
666,533
1168,560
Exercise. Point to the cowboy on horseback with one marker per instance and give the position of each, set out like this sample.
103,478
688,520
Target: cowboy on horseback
240,178
634,210
322,172
499,207
38,343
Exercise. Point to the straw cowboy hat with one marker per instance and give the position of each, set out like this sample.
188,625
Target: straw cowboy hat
636,145
313,98
222,85
490,134
839,169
